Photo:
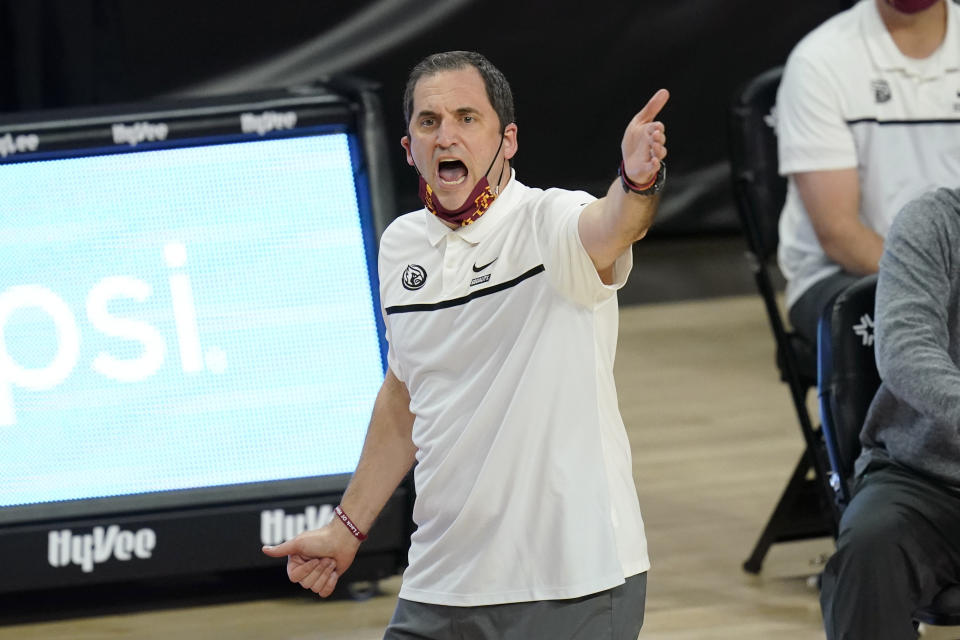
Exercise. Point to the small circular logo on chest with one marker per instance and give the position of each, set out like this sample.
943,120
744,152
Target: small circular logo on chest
881,91
414,277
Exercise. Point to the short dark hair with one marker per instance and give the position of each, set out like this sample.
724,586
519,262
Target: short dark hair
498,89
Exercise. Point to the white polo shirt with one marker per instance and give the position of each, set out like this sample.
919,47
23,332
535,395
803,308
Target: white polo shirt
848,99
505,337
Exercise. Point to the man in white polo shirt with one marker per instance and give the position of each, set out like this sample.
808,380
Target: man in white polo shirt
868,118
501,313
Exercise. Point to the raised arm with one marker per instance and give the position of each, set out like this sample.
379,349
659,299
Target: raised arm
832,200
608,226
317,558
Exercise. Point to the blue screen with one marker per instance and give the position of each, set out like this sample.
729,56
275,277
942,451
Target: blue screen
183,317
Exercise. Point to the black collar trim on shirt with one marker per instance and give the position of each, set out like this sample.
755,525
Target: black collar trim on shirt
444,304
904,122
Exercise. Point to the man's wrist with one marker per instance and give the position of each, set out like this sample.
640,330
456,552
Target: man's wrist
341,515
651,188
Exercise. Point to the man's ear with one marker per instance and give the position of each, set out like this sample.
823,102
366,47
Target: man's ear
510,141
405,143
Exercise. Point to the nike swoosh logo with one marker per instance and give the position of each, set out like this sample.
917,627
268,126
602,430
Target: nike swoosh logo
477,269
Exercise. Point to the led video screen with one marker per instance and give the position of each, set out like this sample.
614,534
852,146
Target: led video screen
182,317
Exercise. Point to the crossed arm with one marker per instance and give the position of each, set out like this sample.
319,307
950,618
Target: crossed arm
913,322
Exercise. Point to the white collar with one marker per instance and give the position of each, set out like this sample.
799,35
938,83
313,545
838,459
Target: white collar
888,57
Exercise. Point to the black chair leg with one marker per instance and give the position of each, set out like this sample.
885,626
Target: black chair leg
800,514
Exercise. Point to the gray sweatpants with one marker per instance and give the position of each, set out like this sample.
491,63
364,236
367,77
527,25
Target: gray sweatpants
899,545
615,614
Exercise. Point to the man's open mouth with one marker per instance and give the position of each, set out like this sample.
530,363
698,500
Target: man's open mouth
451,172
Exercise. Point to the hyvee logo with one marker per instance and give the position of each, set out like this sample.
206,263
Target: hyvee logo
25,143
267,121
90,549
138,132
277,526
66,351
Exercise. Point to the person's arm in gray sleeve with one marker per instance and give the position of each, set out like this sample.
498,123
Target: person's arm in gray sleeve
913,292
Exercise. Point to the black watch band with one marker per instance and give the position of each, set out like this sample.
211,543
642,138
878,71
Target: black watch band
653,189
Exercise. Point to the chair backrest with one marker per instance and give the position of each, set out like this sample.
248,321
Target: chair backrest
759,189
760,192
847,377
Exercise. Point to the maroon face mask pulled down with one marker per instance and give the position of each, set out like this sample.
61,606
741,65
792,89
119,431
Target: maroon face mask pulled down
475,205
472,208
911,6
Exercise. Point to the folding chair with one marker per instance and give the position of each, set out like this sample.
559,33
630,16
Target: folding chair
805,509
848,380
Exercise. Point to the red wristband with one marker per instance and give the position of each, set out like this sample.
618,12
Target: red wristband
348,523
627,182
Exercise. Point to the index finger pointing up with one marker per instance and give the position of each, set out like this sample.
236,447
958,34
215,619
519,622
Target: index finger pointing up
652,108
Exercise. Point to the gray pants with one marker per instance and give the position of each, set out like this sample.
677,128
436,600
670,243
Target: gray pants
899,545
615,614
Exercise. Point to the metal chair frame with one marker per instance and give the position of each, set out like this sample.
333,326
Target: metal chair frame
805,509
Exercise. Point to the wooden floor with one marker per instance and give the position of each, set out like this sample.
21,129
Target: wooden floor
714,441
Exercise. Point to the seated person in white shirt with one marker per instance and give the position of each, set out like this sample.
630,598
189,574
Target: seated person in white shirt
868,118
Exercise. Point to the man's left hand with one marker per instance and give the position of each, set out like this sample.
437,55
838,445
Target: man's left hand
644,142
